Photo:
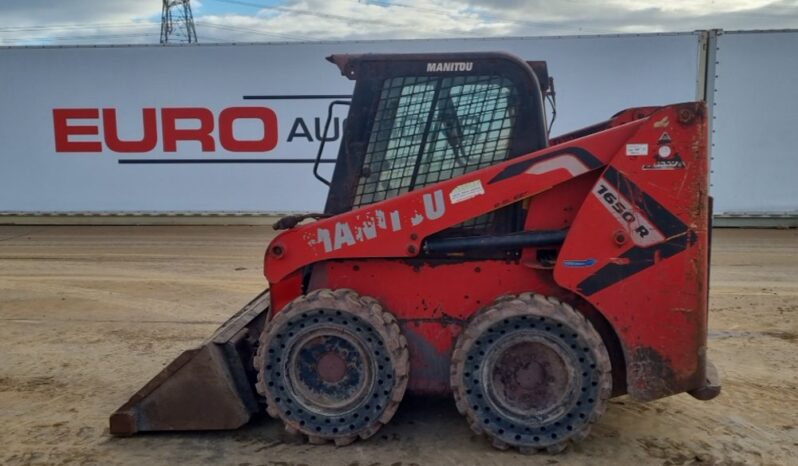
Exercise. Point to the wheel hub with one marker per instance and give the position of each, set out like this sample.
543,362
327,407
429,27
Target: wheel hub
331,367
529,375
329,370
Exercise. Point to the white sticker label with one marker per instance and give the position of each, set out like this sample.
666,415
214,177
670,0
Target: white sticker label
466,191
636,150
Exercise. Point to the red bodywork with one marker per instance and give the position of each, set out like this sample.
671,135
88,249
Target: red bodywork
632,193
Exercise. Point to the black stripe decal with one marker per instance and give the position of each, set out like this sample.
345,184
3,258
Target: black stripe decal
639,258
667,223
591,162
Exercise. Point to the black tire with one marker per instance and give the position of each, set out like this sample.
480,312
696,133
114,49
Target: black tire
531,372
333,366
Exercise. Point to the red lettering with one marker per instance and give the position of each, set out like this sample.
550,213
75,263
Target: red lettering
265,115
63,130
149,138
171,134
172,131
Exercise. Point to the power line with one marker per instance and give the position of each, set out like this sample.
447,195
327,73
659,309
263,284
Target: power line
439,11
297,11
250,30
75,26
448,14
348,19
66,27
81,38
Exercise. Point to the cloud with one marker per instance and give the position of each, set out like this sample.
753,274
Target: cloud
91,21
346,19
343,19
40,21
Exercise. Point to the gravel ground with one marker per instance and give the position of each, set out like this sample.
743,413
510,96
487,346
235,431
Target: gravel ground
89,314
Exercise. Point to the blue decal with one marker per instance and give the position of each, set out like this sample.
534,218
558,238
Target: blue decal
579,262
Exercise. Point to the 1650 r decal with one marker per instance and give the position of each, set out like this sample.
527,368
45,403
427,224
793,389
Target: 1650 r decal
643,232
678,236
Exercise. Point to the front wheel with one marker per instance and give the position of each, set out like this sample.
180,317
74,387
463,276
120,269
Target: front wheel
532,373
333,366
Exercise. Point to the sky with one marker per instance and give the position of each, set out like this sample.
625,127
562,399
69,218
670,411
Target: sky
86,22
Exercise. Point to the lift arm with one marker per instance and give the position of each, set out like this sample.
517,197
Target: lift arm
397,227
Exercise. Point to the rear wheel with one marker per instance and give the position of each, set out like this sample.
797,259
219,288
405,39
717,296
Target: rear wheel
332,365
532,373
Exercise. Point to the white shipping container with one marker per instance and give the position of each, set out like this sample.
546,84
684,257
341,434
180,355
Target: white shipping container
89,129
755,106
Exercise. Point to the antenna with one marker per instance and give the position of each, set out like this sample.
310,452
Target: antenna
177,23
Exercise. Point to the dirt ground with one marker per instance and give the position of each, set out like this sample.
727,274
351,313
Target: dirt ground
89,314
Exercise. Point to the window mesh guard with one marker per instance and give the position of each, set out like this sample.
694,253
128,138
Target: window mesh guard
430,129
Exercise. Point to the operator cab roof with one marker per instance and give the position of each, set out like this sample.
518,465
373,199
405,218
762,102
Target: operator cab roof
459,63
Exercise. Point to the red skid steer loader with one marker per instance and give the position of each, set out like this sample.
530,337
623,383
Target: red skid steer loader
463,252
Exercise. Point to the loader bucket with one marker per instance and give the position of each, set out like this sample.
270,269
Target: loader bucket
210,387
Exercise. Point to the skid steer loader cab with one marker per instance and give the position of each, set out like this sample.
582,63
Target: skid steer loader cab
463,253
416,120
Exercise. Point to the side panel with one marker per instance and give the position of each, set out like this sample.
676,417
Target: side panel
638,247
